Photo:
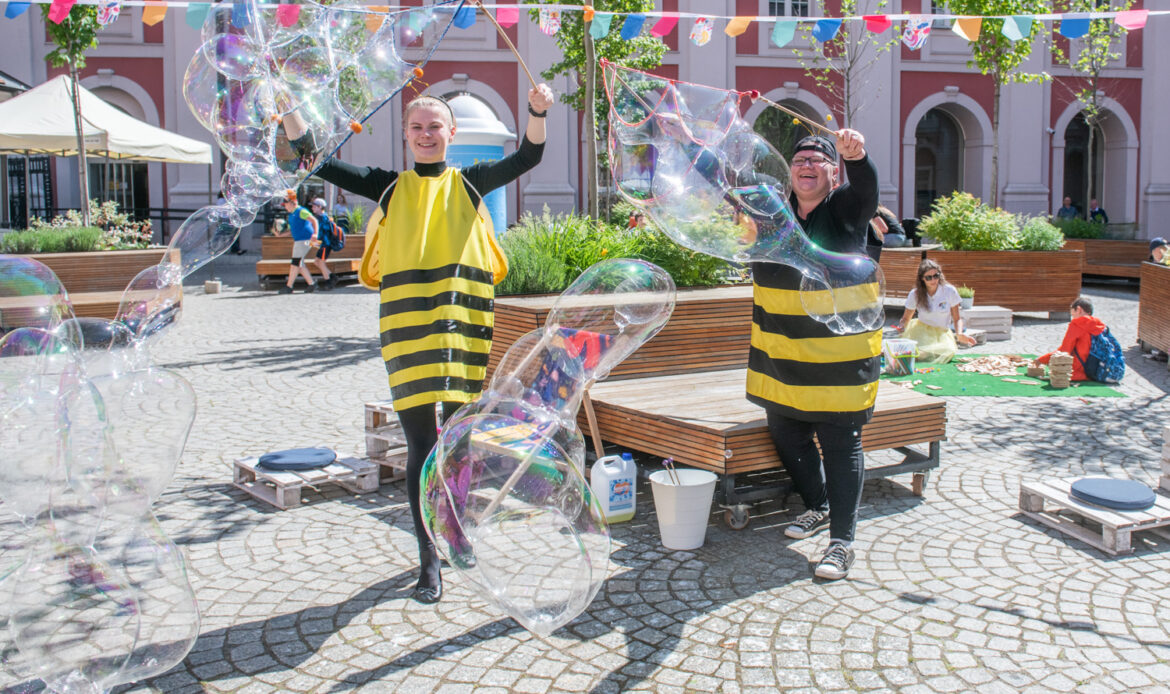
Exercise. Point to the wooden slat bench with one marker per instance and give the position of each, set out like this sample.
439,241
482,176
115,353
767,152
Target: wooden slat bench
275,252
1111,257
94,280
900,267
1153,329
1106,529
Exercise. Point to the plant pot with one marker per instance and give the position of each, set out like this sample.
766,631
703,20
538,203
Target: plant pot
966,301
212,286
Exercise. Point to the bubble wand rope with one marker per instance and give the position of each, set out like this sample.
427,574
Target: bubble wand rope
503,35
755,96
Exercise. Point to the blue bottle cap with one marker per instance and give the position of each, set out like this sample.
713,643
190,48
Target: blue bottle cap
627,456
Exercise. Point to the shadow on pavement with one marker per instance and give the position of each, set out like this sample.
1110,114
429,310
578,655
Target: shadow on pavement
304,357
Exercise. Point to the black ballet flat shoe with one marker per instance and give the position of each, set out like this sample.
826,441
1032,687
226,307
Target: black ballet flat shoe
428,595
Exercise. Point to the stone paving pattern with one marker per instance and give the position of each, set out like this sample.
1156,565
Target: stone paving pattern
951,592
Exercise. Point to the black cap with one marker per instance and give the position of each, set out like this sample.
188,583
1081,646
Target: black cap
818,143
1157,241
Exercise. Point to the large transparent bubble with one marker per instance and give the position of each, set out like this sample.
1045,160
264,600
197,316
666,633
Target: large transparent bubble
682,153
504,494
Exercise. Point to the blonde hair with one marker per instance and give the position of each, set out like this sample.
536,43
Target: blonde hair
424,100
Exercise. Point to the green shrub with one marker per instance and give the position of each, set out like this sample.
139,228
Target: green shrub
53,240
1078,228
1040,235
115,231
620,211
965,292
961,222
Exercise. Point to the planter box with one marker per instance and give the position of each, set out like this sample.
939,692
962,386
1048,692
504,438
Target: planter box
1043,281
1153,328
1111,257
95,282
900,267
710,330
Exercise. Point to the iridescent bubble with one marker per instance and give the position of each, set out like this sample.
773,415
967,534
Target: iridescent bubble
681,153
235,56
203,236
504,494
202,87
31,295
153,301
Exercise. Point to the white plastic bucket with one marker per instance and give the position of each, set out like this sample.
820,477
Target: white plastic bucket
683,508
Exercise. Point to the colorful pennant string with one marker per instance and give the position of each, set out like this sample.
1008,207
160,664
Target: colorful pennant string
968,27
59,10
665,25
783,33
1132,19
737,26
877,23
15,9
701,31
916,31
288,15
464,18
826,29
600,26
153,13
508,16
1016,28
632,26
241,17
108,11
550,21
1074,26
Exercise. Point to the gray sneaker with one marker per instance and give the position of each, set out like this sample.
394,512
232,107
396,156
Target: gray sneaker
807,524
836,562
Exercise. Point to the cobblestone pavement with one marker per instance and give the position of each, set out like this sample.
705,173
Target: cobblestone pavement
951,592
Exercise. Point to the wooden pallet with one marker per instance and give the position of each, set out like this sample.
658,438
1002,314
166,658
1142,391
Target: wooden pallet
1106,529
385,444
283,489
995,321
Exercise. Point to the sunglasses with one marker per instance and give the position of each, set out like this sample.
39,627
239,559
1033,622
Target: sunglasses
931,276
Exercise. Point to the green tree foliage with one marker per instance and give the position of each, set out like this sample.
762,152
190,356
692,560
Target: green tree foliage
1089,56
961,222
841,66
996,55
75,35
579,57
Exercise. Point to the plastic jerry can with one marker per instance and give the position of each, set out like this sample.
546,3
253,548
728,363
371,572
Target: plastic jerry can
613,480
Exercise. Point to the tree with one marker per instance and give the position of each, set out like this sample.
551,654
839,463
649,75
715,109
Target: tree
75,35
579,56
998,56
1093,54
843,63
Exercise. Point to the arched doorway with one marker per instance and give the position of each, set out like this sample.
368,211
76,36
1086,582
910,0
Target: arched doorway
938,159
781,130
126,183
1076,184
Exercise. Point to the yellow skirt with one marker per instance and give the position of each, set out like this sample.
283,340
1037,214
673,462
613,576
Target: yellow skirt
935,345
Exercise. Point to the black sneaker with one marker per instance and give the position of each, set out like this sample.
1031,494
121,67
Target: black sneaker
807,524
326,285
285,290
311,288
836,562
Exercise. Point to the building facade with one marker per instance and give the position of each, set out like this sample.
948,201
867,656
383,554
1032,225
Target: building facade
927,116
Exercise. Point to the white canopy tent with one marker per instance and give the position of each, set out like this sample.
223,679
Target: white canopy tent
40,121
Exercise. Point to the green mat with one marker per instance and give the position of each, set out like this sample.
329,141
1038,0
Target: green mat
951,381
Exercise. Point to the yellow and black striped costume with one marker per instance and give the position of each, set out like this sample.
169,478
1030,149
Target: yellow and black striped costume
797,367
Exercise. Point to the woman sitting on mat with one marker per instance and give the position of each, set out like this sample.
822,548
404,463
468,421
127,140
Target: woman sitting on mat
937,305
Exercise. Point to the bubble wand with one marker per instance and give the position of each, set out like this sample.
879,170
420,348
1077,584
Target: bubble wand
754,95
503,35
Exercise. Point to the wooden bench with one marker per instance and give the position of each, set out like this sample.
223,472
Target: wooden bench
1153,328
1041,281
703,420
95,282
276,251
1111,257
900,267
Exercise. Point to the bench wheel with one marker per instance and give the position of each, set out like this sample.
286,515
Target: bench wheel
737,517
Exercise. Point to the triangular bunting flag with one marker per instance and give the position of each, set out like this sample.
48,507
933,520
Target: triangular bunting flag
197,13
108,11
632,26
550,21
968,27
587,13
916,31
826,29
153,12
1074,26
600,25
240,15
1132,19
877,23
701,31
287,15
464,18
665,25
737,26
15,9
59,10
1016,28
783,32
376,15
508,16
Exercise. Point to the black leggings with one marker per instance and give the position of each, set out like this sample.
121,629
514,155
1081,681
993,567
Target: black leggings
419,429
838,491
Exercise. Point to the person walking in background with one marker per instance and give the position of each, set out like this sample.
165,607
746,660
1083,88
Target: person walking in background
341,212
325,235
302,225
1097,213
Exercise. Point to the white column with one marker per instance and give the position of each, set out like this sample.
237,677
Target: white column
1022,150
188,182
1154,206
555,181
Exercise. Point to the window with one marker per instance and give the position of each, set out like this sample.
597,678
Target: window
939,7
124,183
788,8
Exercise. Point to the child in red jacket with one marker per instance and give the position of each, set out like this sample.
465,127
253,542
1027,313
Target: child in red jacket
1078,337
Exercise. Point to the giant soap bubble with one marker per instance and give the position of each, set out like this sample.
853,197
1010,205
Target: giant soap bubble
504,495
280,95
682,153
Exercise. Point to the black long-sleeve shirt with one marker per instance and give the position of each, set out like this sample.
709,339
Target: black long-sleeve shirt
479,179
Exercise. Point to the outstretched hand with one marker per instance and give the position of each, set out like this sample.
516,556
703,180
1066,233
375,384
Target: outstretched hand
850,144
541,97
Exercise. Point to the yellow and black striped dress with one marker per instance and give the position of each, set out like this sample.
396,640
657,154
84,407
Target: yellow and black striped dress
797,367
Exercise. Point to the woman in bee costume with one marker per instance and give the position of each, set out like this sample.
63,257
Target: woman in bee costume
435,262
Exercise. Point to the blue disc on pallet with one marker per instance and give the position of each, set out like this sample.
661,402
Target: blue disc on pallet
1121,495
297,459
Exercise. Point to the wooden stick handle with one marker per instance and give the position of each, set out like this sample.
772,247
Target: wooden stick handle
500,29
802,117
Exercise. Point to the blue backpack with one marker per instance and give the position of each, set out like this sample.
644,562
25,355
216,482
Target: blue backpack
1105,363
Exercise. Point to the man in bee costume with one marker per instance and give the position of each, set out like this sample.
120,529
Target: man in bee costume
435,261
